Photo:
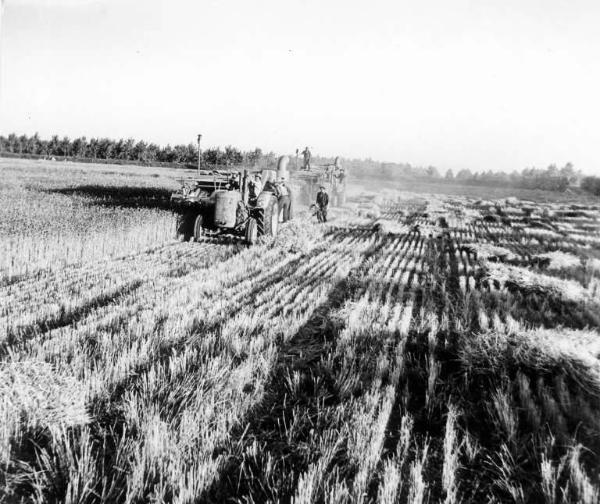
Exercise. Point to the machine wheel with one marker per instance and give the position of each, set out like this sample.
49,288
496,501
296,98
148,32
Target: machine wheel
199,227
269,220
251,231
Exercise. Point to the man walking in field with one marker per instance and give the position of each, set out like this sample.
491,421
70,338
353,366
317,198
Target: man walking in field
284,197
307,155
322,202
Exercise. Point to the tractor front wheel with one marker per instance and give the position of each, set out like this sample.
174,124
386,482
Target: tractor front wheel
268,220
251,231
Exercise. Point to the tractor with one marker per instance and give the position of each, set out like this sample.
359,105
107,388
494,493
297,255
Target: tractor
331,176
217,202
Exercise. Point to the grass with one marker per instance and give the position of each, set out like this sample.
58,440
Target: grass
422,353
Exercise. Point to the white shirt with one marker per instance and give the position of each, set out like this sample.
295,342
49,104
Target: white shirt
283,190
256,185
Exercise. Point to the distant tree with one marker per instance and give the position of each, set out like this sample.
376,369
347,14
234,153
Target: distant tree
502,178
43,148
232,155
54,146
166,155
449,175
552,171
569,172
464,174
433,172
64,147
212,156
22,144
180,153
152,152
591,184
191,154
79,147
107,149
92,150
138,152
33,144
13,143
127,149
388,170
253,157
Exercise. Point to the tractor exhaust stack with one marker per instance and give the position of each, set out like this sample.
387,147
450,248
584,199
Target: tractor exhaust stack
199,153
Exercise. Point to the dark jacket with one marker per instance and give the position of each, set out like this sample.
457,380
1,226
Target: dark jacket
270,187
322,199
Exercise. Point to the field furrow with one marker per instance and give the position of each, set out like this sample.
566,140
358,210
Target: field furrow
417,348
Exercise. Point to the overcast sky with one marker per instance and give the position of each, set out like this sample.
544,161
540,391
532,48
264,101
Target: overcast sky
477,84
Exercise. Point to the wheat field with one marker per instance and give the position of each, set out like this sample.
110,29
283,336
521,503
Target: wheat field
418,348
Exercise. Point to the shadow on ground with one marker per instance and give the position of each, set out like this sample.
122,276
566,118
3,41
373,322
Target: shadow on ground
121,196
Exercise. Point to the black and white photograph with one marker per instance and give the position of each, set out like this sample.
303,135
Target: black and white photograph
299,251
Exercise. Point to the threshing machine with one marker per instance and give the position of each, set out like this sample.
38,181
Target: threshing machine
331,176
217,200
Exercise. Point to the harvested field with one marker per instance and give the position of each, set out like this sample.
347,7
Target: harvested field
411,350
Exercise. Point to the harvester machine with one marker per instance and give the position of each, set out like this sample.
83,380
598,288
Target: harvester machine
216,202
331,176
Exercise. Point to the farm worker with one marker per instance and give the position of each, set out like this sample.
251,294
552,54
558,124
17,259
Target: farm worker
232,183
307,156
254,189
322,202
284,197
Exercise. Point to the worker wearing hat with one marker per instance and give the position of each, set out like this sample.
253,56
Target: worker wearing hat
284,197
322,203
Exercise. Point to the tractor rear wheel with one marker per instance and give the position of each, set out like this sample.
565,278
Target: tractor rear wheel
199,227
268,221
251,231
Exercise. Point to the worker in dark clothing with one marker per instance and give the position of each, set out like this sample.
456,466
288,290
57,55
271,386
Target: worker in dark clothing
284,197
307,155
232,183
322,202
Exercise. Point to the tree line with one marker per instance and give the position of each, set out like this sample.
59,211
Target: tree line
126,150
140,152
552,178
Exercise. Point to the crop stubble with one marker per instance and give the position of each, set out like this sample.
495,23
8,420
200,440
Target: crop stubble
447,351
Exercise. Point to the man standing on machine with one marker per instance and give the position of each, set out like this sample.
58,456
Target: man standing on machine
307,155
